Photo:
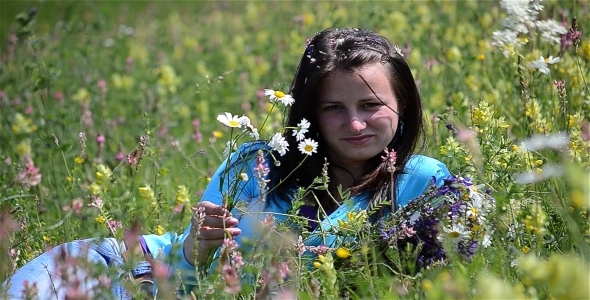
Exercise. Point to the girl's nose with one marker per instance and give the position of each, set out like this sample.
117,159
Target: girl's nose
356,125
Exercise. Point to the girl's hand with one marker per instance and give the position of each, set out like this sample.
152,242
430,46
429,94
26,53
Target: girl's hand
216,225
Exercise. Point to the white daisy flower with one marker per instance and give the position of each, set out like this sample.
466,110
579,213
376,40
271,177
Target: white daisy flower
230,146
232,121
279,96
301,130
279,144
308,146
542,64
456,233
252,131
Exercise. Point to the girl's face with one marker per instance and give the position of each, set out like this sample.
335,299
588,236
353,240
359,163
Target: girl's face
355,124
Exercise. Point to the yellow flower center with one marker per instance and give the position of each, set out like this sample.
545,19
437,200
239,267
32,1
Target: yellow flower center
454,234
279,94
308,148
234,123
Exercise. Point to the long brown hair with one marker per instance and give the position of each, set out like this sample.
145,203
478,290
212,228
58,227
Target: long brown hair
347,49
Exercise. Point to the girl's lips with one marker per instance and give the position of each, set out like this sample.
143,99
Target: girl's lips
357,140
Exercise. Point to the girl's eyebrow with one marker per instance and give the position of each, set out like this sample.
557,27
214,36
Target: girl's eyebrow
366,99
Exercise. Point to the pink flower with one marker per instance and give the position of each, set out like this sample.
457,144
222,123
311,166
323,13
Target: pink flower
237,259
196,123
28,110
114,225
231,279
100,139
132,159
59,96
102,85
268,221
96,202
29,176
120,156
77,205
229,245
299,245
389,158
284,270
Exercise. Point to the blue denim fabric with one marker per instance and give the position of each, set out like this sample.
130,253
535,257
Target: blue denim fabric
44,271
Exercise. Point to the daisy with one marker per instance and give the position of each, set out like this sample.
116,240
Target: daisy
308,146
279,96
230,146
542,64
252,131
301,130
279,144
456,233
231,120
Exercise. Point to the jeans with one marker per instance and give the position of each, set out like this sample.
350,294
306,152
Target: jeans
57,272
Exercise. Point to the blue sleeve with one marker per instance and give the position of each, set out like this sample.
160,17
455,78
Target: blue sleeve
418,175
243,160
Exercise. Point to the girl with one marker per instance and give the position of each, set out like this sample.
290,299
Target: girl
360,98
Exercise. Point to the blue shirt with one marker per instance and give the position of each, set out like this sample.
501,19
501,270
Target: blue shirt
418,174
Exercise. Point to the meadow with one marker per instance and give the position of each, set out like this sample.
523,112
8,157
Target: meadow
118,102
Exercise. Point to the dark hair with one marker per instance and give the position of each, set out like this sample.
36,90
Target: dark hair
348,49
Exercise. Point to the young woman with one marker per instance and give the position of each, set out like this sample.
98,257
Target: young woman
359,95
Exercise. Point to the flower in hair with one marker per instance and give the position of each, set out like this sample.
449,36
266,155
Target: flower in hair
286,99
398,50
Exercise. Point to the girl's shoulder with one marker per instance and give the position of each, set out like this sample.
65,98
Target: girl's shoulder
420,172
420,165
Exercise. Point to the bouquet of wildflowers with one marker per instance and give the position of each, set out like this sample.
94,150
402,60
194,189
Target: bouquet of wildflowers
452,218
246,149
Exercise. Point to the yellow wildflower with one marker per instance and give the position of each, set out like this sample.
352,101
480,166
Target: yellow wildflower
22,124
317,264
100,219
343,252
525,249
454,54
69,179
23,149
159,230
46,239
82,95
146,192
79,160
182,194
217,134
364,249
94,189
103,173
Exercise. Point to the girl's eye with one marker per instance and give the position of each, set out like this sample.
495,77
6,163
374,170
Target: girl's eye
332,107
372,105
